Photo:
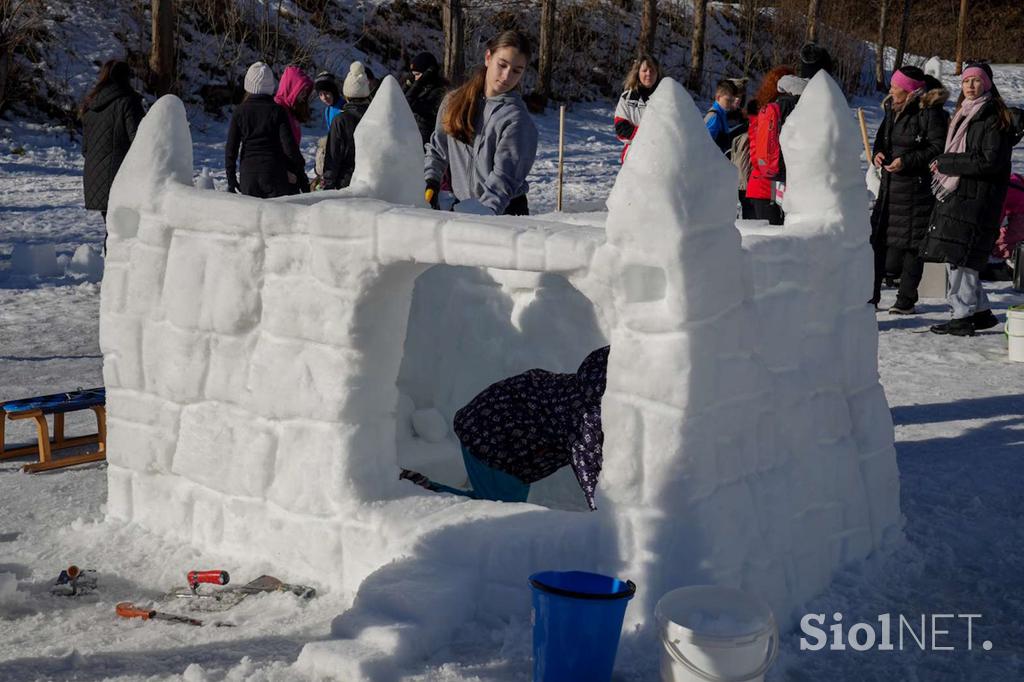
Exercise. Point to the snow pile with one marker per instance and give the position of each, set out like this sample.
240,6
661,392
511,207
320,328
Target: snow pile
269,365
34,260
86,263
13,602
933,67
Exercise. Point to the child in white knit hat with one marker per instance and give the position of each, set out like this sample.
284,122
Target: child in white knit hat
340,155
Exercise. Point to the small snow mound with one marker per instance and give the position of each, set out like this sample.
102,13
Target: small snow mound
195,673
430,425
389,150
10,599
35,260
204,180
86,263
933,67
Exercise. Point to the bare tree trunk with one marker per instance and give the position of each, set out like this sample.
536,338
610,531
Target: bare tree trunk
883,26
812,20
700,13
454,29
5,71
750,14
648,26
161,56
961,36
548,11
901,49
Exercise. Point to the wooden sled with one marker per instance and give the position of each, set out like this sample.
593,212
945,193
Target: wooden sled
58,405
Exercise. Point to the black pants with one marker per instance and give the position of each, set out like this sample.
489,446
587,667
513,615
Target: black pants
911,269
746,206
766,209
264,186
104,214
518,206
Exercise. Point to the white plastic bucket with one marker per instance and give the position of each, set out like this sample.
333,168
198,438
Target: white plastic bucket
715,634
1015,332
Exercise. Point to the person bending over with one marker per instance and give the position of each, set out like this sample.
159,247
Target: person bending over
526,427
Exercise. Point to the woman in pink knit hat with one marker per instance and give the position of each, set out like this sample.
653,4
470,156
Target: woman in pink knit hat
969,181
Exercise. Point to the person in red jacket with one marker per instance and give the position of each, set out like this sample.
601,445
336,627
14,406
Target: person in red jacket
765,152
640,84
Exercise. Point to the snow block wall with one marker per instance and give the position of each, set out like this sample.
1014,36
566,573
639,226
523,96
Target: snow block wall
254,354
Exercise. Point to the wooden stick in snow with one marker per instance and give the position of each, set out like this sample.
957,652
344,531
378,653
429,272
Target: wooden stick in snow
864,135
561,152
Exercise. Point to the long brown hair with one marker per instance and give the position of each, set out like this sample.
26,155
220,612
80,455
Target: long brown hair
464,102
769,90
632,81
113,71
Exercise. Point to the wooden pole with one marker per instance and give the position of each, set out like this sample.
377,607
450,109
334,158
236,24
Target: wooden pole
648,25
883,28
561,152
453,22
961,35
548,15
700,12
811,33
162,51
864,135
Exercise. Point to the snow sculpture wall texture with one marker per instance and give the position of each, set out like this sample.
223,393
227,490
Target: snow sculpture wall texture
251,350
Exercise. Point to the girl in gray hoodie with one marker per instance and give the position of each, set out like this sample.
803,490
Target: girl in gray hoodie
485,135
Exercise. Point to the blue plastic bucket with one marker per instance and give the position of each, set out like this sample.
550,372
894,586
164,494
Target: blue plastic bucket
577,619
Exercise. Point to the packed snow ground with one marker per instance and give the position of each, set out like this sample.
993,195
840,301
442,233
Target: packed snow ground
957,405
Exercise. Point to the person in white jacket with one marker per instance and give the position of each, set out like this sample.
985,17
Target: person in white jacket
640,84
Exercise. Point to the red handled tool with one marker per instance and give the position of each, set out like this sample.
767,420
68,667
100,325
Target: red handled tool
196,578
126,609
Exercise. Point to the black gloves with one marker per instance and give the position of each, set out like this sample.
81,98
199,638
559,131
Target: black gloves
432,194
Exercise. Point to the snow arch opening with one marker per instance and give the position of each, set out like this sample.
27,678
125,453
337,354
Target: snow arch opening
469,327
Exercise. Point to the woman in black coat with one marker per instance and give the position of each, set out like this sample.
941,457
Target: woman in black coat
260,144
425,92
111,113
970,182
912,134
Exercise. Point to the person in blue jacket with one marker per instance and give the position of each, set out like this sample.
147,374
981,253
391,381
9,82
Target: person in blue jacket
326,86
727,98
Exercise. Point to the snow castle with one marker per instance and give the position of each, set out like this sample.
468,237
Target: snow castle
271,364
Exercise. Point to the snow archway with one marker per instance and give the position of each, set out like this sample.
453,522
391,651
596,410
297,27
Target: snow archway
251,350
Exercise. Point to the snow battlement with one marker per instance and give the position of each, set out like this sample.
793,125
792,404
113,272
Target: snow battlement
271,364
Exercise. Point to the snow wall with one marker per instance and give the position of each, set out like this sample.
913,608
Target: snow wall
270,364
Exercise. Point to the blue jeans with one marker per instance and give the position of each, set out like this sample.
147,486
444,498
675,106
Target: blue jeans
487,483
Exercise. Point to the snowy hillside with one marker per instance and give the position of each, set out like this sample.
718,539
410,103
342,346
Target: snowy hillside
218,40
956,404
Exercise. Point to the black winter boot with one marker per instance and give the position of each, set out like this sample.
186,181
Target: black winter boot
961,327
984,319
902,307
